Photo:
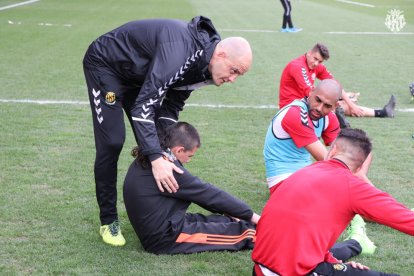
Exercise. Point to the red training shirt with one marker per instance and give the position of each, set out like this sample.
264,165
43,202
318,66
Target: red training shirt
297,80
308,211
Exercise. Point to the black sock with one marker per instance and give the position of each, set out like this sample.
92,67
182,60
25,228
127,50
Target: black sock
380,113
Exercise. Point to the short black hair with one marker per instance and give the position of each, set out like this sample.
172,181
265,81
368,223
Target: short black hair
322,50
178,134
358,138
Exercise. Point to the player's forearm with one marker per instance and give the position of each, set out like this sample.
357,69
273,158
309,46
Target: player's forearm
346,99
317,150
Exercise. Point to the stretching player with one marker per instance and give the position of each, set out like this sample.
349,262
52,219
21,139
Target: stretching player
327,194
298,80
160,219
293,137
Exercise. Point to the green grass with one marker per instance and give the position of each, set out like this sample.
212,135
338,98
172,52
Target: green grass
48,211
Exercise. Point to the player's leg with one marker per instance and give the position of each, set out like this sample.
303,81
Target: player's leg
386,112
213,233
289,14
341,269
345,250
109,133
190,217
128,100
287,23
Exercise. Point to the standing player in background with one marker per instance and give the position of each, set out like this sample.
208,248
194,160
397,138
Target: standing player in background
298,78
148,69
287,25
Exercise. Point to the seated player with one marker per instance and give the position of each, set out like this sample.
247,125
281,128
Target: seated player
315,205
298,78
293,138
160,219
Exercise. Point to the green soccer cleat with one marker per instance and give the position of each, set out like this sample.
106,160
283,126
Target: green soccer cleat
356,231
111,234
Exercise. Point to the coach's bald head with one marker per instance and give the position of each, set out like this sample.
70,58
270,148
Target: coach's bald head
231,58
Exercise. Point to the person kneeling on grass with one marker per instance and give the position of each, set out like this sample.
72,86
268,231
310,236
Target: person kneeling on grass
160,219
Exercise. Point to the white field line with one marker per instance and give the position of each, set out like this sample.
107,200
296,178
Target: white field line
218,106
356,3
39,24
335,33
18,4
369,33
248,31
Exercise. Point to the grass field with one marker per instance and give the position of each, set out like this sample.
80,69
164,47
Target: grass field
48,211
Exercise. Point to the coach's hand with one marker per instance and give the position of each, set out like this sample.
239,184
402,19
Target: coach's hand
163,174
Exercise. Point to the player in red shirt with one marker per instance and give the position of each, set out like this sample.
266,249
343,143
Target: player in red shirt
308,211
298,80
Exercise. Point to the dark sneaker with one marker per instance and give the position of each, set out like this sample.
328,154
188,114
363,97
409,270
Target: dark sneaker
390,107
340,114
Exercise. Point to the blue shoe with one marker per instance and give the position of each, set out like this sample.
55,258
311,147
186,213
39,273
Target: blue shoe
284,30
294,30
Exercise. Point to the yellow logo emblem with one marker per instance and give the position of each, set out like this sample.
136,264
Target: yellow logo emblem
110,98
339,267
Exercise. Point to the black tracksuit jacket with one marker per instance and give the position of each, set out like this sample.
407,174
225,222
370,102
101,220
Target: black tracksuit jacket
162,58
158,217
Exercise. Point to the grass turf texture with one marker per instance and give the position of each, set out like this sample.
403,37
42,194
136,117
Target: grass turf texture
48,211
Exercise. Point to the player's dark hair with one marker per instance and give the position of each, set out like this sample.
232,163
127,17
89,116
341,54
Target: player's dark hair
322,50
179,134
358,138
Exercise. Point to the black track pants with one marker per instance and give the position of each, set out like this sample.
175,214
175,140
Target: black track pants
213,233
287,20
109,132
